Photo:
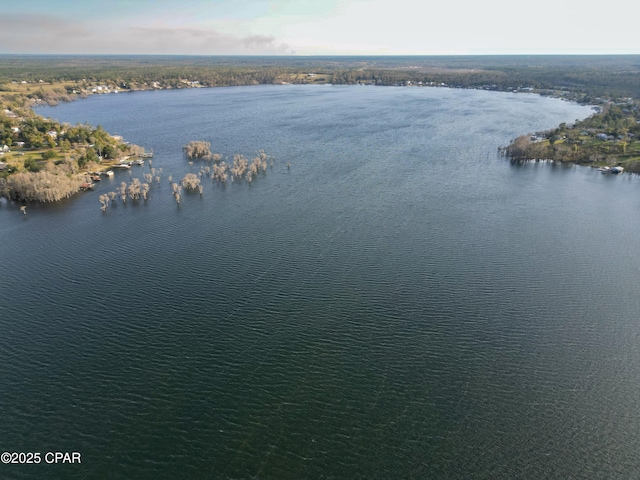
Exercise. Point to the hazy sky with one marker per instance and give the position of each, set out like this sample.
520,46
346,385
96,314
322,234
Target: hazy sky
318,27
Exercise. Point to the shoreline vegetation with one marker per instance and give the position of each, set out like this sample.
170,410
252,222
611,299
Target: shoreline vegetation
610,138
46,161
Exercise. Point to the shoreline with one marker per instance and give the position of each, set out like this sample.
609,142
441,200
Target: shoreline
53,96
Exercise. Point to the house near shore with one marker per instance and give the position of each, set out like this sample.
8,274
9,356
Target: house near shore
604,136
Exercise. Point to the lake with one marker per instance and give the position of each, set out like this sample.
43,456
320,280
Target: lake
390,299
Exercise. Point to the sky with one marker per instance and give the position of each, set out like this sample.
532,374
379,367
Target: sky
318,27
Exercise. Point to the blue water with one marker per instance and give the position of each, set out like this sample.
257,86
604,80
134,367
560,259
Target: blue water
399,302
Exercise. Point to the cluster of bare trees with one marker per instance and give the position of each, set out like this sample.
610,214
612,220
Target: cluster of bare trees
43,186
190,181
240,165
198,149
134,191
239,169
519,149
218,170
155,174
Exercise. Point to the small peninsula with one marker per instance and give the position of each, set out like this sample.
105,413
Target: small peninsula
610,138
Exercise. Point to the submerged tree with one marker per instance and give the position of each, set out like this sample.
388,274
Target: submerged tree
219,172
240,165
123,192
176,192
104,202
134,189
198,149
190,181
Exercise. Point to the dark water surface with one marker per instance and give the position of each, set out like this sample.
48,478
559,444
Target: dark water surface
400,303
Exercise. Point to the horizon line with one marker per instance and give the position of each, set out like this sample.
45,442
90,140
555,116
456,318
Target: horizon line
297,55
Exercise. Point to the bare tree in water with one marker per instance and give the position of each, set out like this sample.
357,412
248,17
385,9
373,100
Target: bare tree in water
240,165
123,192
190,181
198,149
104,202
134,189
219,172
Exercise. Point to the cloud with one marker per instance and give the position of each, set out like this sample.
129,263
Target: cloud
201,41
52,34
32,33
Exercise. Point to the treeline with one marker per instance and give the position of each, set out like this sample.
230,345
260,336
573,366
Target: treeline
586,85
135,75
590,76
